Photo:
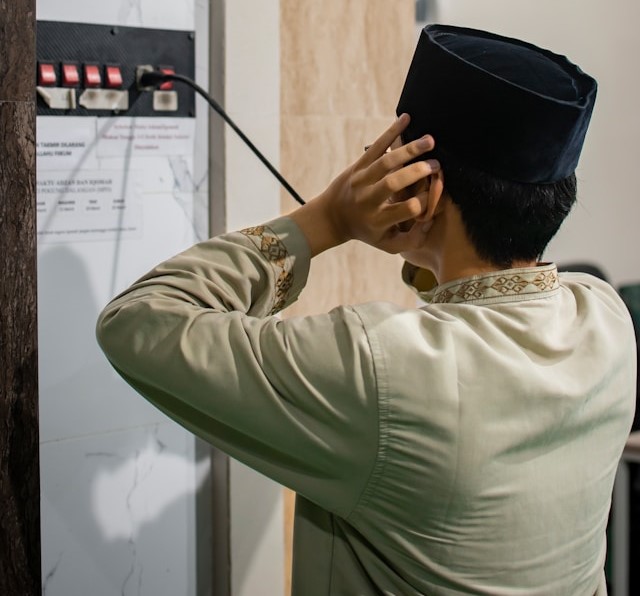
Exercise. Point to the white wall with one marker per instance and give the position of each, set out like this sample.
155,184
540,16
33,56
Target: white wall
601,37
251,95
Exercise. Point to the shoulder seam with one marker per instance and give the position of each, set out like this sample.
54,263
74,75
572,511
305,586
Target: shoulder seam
381,381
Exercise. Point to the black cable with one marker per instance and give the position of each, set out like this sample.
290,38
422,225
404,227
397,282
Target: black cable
155,78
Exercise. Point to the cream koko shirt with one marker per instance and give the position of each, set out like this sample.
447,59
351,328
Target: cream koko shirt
466,447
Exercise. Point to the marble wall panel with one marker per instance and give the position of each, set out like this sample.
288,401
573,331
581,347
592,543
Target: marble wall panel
344,58
343,66
121,484
118,513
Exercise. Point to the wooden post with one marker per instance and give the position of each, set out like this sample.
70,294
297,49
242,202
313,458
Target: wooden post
19,472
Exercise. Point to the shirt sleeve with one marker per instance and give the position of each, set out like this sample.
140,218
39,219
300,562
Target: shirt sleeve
295,399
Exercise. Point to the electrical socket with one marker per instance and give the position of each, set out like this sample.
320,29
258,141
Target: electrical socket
140,70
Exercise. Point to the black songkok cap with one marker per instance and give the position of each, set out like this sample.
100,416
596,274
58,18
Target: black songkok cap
501,105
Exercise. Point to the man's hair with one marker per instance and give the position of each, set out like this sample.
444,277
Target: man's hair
507,221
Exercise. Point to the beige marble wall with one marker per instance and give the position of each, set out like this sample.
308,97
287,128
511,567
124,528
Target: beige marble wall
343,64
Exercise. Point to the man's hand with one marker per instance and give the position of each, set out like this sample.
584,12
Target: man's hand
369,200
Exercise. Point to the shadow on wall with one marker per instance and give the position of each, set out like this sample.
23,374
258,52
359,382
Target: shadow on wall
117,505
119,481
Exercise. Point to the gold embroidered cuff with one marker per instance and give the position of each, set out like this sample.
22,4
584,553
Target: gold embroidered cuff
274,251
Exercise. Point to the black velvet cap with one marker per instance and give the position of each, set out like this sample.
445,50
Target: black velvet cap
501,105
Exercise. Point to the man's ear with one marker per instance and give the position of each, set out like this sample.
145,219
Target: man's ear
434,188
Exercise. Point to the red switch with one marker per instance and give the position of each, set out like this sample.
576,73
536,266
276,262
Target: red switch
46,75
167,85
113,76
70,75
92,77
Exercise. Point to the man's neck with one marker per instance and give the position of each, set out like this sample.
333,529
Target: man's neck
449,253
463,261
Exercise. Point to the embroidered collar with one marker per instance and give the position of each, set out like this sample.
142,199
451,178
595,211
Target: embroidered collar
525,283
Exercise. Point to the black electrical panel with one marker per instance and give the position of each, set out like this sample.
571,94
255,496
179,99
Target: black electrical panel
90,70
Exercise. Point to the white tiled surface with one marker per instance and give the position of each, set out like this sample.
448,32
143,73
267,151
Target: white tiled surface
118,480
80,392
118,513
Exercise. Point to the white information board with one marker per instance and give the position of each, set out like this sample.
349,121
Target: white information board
90,183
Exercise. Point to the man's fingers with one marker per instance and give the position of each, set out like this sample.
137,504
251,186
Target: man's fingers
395,159
383,142
397,213
379,182
397,181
